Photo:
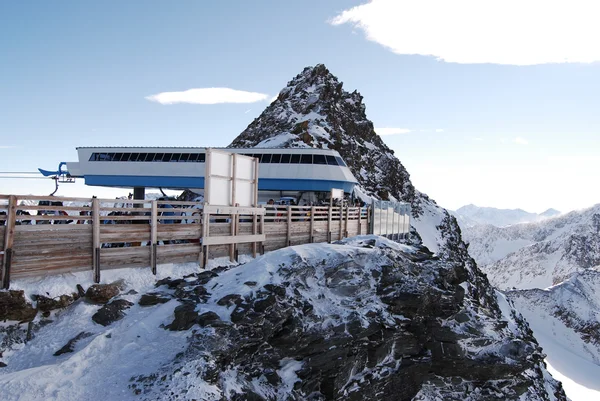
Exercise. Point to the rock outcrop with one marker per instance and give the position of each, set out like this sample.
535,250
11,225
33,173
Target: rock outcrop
364,319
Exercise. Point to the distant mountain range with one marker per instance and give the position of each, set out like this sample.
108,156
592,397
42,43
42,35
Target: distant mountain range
471,215
537,255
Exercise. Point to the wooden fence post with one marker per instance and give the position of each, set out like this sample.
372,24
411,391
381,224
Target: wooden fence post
262,231
346,227
359,220
329,224
311,238
205,233
9,236
96,239
153,235
341,231
289,226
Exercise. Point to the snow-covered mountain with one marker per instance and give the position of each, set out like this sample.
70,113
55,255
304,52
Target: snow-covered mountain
565,319
362,319
471,215
537,255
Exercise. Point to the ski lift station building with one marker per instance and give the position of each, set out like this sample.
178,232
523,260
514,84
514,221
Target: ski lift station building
282,172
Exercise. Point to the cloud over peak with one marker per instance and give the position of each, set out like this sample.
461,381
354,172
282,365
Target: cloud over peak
513,32
208,96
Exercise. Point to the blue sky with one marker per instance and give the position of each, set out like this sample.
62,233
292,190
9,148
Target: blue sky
490,123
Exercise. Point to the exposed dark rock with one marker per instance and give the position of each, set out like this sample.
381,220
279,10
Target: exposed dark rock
208,319
185,317
153,299
70,346
231,299
3,365
102,293
111,312
46,304
14,306
171,283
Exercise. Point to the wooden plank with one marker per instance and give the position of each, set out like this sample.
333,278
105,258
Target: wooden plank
232,240
47,273
8,241
115,258
234,210
2,231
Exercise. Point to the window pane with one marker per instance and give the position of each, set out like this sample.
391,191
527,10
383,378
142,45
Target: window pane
295,159
141,157
306,159
158,157
319,159
193,157
285,158
93,157
184,157
167,157
340,161
125,157
331,160
117,157
202,157
266,158
275,158
149,157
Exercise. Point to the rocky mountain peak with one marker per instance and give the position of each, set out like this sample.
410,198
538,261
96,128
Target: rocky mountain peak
314,110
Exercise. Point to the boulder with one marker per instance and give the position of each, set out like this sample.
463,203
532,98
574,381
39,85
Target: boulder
46,304
111,312
102,293
185,317
14,306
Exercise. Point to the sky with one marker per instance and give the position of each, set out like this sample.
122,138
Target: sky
495,105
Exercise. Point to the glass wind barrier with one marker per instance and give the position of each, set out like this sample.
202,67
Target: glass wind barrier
391,219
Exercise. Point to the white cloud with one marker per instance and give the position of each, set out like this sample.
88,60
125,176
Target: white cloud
519,32
478,139
273,98
208,96
7,147
439,130
521,141
392,131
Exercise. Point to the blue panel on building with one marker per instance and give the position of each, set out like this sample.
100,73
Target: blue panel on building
264,184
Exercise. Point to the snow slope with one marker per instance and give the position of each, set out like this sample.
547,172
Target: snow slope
565,319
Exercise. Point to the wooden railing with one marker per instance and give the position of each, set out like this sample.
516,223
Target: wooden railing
51,235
